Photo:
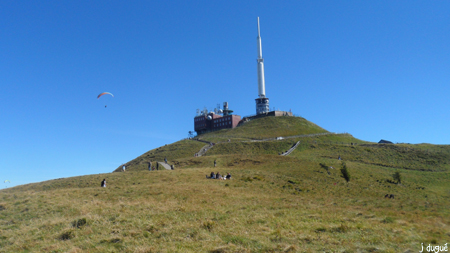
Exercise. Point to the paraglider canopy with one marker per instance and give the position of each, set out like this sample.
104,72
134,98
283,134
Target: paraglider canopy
7,181
104,93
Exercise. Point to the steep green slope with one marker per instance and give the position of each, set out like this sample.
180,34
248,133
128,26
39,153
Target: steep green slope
277,146
255,129
179,149
267,127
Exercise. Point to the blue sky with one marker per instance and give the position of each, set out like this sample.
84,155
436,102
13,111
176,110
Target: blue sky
374,69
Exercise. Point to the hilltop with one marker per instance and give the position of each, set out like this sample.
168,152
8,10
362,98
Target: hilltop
257,137
274,203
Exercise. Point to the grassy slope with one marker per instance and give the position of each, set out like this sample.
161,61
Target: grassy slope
276,147
402,156
266,128
179,149
178,152
273,204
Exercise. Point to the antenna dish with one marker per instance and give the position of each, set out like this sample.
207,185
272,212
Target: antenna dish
209,117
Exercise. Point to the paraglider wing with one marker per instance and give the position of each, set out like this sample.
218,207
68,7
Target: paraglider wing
7,181
104,93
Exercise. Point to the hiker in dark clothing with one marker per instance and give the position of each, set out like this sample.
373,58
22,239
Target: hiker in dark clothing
228,177
212,176
218,176
215,163
103,183
157,166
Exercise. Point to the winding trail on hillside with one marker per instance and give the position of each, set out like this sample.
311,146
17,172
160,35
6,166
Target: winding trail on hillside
209,145
205,148
165,165
291,137
291,149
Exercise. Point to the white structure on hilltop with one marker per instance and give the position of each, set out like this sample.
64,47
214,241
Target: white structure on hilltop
262,103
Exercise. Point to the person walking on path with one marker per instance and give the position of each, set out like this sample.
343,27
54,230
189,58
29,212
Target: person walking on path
103,183
215,163
165,159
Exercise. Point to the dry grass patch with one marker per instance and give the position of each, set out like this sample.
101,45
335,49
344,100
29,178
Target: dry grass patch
280,204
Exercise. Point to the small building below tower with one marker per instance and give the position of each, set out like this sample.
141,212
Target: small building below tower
262,105
267,114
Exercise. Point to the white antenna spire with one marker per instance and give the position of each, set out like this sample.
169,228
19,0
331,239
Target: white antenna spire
260,66
259,34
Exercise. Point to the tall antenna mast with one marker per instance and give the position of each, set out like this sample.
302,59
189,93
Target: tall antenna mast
260,66
262,102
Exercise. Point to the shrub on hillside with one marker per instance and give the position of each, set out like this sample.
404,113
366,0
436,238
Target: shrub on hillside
397,177
208,225
79,223
345,173
67,235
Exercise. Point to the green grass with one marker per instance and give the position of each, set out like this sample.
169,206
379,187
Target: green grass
272,204
251,148
262,128
402,156
179,149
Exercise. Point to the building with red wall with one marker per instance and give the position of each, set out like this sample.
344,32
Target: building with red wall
206,122
212,122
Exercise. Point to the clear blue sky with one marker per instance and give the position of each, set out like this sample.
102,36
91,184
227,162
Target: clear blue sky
374,69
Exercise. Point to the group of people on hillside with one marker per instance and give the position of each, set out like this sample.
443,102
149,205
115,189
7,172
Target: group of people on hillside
218,176
153,168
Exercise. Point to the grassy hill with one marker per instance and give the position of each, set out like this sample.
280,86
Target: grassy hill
177,150
265,128
240,140
295,203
